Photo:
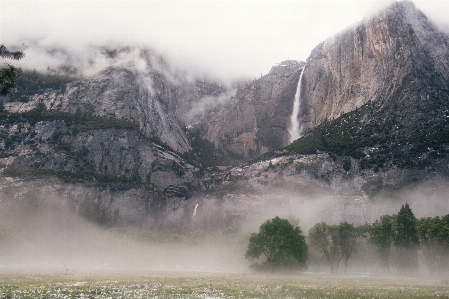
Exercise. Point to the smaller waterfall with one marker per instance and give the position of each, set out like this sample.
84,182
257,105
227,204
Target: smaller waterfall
194,211
295,129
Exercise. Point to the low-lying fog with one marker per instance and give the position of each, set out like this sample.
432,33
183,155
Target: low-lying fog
51,236
39,230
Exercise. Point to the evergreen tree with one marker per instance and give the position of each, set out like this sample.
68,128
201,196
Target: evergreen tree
406,239
9,73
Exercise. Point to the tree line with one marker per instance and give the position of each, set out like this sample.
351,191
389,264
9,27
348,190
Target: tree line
281,245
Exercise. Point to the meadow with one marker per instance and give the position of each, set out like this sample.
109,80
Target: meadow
217,285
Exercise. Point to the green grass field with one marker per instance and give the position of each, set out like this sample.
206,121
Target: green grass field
211,285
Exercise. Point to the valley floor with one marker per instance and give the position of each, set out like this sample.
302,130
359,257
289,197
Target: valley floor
215,285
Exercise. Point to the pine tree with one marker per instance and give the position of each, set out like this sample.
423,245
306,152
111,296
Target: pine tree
406,239
9,73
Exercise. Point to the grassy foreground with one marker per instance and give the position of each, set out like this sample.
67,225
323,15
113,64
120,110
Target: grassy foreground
206,285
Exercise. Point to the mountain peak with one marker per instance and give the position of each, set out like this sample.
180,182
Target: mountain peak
404,4
374,61
396,8
406,10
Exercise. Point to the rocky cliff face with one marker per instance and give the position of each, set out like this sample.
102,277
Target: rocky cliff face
396,57
384,81
103,154
257,118
154,104
124,125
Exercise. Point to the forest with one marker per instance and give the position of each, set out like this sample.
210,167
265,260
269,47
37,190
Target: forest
284,245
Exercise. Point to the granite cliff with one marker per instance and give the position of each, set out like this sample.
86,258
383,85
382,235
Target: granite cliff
396,57
374,112
125,126
396,60
256,120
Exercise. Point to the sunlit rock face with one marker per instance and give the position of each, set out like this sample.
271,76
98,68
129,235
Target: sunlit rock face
396,57
257,118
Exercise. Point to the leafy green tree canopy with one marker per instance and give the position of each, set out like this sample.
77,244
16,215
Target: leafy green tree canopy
323,237
9,73
281,244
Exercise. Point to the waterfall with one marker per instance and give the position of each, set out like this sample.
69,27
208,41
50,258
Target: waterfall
194,211
295,129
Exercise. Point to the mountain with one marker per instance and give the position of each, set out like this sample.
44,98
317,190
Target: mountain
374,110
386,96
396,60
257,119
150,142
123,127
375,99
396,57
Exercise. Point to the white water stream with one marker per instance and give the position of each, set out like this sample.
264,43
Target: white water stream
295,126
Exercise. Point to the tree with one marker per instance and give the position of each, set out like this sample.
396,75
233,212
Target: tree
9,73
406,239
381,235
335,242
280,243
433,234
347,235
324,238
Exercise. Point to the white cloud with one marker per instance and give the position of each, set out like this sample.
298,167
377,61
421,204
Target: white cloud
229,38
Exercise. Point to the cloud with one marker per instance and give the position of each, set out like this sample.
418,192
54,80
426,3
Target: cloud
201,107
226,38
436,11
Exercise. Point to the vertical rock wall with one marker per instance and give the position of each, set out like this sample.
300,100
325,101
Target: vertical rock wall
383,58
257,119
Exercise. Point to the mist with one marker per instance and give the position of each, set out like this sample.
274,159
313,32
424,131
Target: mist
227,40
45,230
200,108
224,39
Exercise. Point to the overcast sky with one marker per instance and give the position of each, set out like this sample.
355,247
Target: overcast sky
229,38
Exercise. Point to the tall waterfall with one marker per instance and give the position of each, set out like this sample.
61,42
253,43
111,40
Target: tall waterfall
295,129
